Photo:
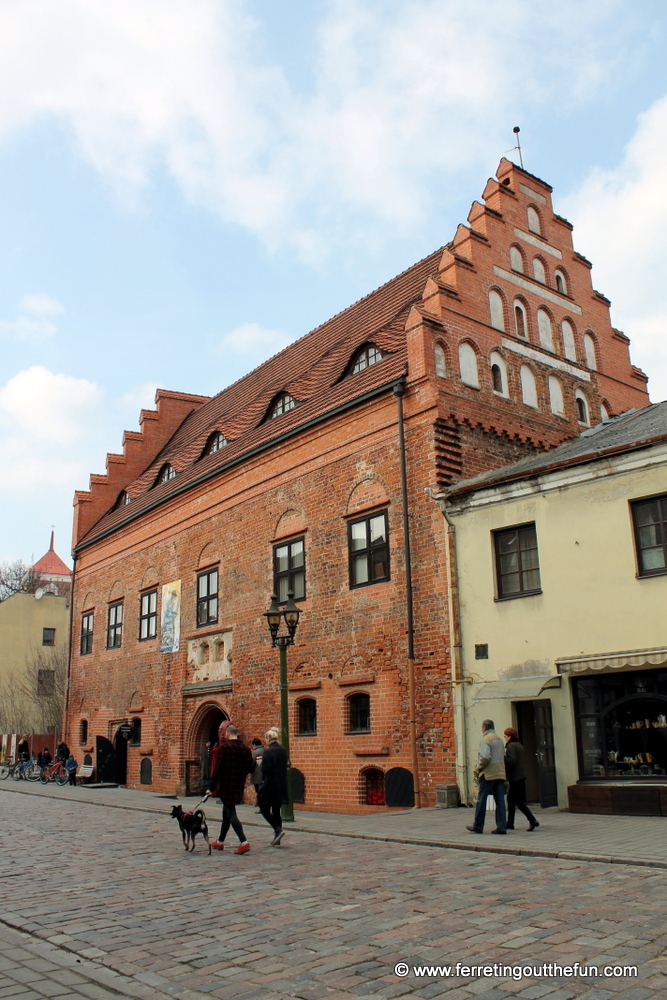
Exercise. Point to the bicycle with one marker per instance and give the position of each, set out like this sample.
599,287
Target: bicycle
28,769
54,772
6,768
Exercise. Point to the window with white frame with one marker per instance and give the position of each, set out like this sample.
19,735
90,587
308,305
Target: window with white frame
498,373
582,408
561,283
520,320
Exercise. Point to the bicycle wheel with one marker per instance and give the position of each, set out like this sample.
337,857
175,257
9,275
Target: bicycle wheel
44,776
33,771
61,776
17,772
4,771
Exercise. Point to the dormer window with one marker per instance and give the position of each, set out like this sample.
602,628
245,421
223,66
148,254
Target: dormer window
123,500
215,442
166,473
367,356
283,404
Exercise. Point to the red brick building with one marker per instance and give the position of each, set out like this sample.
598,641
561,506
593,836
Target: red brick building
298,476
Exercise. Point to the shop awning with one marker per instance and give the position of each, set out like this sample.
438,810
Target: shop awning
635,658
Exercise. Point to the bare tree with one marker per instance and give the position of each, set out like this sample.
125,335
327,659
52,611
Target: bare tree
32,700
17,578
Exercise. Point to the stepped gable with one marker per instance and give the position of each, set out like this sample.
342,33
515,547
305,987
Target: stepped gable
310,369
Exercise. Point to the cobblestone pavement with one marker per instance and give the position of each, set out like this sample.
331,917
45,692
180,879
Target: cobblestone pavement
319,917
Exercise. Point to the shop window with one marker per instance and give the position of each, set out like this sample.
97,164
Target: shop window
289,569
146,771
569,348
440,361
46,683
166,473
582,408
589,351
516,259
517,562
135,739
359,713
306,716
622,725
650,523
115,625
373,787
520,321
538,271
83,732
216,442
468,365
497,310
534,221
545,329
207,597
87,622
561,283
282,404
368,355
498,373
368,549
148,615
556,396
48,637
528,386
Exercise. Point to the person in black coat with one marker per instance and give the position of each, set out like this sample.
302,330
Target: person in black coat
272,792
515,768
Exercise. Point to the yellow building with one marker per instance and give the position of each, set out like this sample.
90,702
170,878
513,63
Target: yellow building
558,577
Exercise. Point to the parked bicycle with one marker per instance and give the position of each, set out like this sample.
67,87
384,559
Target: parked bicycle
28,769
54,772
6,768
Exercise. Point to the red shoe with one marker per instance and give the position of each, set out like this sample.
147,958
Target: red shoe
217,845
242,848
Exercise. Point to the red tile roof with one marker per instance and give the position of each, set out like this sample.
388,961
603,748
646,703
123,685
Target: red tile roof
51,564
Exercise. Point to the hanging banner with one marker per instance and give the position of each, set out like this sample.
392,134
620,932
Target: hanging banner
170,630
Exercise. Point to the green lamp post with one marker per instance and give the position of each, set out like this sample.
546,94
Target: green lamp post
274,617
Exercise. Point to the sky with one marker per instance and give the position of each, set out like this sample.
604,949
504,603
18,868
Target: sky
186,186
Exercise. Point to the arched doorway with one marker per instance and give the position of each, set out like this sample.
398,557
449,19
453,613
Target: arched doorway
120,746
203,737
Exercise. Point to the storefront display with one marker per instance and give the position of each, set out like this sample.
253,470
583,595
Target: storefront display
622,725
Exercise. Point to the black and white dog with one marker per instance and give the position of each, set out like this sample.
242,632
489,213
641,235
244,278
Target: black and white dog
191,823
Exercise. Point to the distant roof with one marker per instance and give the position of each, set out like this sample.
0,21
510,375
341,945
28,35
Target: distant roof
630,431
51,564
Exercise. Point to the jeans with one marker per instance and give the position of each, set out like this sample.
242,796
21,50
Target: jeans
229,818
497,789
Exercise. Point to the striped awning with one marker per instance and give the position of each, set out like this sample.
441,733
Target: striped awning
628,659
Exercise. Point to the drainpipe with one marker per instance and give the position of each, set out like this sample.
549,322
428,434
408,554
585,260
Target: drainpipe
399,391
69,651
456,645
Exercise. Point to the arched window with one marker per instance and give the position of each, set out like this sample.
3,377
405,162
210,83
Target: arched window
166,473
306,709
528,386
359,713
534,221
556,396
589,351
146,771
496,309
136,732
569,347
582,408
122,500
83,731
215,442
538,271
498,373
468,365
368,355
373,787
545,330
283,404
561,283
520,320
516,260
440,361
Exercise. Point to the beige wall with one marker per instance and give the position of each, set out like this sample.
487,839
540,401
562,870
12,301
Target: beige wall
591,602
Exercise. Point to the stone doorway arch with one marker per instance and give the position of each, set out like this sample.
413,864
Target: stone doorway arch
202,736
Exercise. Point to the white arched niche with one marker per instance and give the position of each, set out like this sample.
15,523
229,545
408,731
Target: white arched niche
556,396
569,347
498,373
468,365
528,386
496,310
545,329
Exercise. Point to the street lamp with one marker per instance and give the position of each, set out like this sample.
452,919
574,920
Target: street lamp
274,616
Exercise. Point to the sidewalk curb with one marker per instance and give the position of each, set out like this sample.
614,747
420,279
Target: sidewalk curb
528,852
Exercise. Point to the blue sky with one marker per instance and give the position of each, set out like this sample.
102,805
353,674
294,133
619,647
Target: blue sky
187,187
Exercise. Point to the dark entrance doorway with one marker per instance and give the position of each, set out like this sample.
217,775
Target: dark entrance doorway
198,770
120,746
105,757
536,732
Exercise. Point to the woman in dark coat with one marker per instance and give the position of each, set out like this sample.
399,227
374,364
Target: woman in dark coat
515,769
272,793
232,765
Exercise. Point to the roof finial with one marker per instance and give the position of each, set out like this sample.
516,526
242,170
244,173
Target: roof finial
53,534
516,131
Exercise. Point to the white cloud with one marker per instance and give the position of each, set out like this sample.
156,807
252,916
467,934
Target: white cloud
401,93
620,219
139,397
253,342
50,407
34,318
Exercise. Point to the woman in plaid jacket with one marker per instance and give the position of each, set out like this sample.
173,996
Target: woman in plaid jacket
231,766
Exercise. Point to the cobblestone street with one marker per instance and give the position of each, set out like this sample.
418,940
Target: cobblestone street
102,902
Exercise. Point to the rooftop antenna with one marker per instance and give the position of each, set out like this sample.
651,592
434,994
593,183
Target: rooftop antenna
516,131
